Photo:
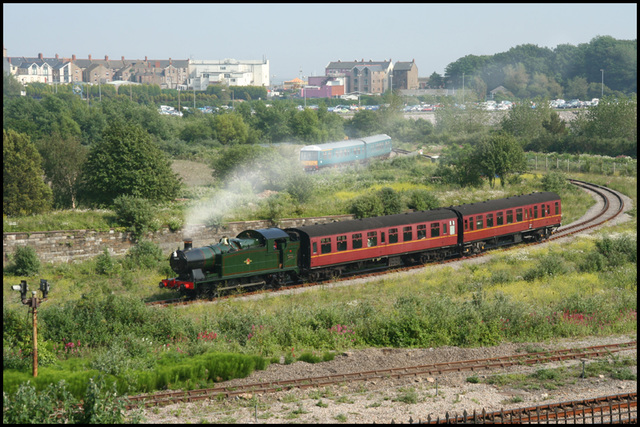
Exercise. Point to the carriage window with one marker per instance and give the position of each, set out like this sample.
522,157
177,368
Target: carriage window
452,227
535,212
356,243
341,243
518,214
543,211
393,235
407,234
444,228
315,247
435,229
489,220
325,245
499,218
509,216
466,224
479,222
557,208
422,231
470,223
372,239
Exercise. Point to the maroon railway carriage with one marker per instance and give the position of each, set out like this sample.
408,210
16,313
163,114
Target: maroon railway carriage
500,222
327,250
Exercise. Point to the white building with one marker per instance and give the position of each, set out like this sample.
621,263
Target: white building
229,72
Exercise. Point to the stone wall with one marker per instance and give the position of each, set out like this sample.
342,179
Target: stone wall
79,245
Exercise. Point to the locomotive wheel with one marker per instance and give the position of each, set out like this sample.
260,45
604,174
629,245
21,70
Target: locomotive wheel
333,274
278,279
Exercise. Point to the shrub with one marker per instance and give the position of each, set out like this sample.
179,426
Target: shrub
366,206
144,254
25,262
554,181
421,200
105,263
618,250
391,201
135,213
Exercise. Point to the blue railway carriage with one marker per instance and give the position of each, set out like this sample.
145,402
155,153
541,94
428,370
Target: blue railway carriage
333,154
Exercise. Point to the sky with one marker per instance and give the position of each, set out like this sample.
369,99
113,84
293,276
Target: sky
301,39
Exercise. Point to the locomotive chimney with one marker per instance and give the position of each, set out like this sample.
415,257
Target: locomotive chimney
188,244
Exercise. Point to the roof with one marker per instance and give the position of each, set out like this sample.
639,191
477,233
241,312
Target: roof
335,144
350,64
404,66
266,233
509,202
356,225
346,143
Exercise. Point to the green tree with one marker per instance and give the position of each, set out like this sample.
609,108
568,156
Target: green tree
305,127
230,129
10,86
126,162
24,191
517,79
235,161
63,160
499,155
610,119
577,88
524,122
363,123
436,81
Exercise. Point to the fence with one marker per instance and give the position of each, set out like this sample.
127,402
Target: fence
584,164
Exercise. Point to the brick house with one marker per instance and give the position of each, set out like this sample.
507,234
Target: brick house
405,75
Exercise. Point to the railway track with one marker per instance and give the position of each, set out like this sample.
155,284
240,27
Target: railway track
613,205
612,409
167,398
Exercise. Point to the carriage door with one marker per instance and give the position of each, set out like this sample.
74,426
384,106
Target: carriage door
528,213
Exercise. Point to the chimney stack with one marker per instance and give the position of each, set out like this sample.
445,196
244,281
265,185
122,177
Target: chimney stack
56,56
145,59
73,57
123,58
106,57
39,56
89,57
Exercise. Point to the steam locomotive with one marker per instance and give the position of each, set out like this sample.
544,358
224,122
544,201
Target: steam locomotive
272,257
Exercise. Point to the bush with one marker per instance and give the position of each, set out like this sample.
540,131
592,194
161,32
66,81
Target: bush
366,206
144,254
105,263
391,201
618,250
554,181
25,262
134,213
422,200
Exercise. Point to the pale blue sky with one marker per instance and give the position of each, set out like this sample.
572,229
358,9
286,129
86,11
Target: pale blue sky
306,36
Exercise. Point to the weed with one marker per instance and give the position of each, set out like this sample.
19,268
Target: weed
407,395
341,418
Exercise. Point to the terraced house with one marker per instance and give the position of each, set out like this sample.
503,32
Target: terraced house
166,73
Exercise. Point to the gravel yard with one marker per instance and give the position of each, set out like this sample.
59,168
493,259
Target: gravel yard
385,400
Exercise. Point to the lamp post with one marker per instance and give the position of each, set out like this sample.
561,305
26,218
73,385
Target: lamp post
33,302
602,85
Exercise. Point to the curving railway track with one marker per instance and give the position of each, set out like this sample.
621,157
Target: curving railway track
612,206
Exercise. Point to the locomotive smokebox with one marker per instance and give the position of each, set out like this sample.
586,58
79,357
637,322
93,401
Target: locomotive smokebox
188,244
